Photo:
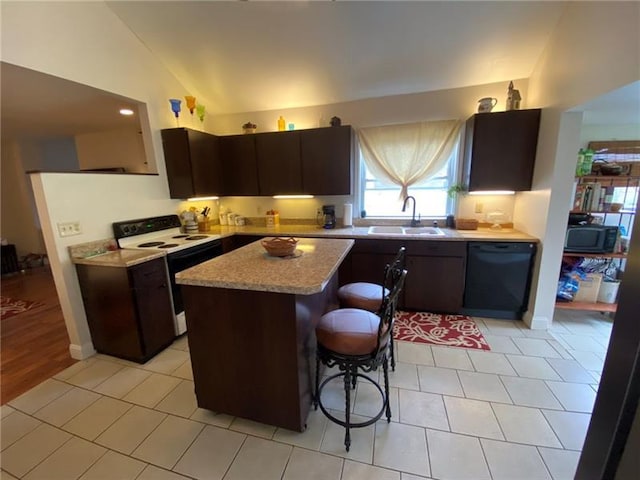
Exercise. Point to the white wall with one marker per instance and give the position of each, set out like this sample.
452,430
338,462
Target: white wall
579,64
86,43
94,200
479,206
115,148
459,103
606,133
58,155
19,223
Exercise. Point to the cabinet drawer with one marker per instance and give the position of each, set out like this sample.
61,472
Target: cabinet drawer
149,274
437,248
380,246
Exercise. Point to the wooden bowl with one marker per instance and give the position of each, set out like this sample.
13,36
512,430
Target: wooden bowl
616,207
280,247
611,169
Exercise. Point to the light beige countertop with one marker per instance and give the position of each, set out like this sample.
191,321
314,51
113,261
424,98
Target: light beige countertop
119,258
98,253
481,234
251,268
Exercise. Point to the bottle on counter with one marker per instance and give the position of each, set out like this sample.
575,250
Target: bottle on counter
451,221
580,162
587,162
281,124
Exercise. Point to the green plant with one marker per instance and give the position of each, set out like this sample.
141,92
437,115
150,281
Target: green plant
455,189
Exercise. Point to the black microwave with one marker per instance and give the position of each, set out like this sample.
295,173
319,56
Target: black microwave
590,238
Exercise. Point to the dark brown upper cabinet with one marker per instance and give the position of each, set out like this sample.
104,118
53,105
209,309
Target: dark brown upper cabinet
239,165
316,161
326,160
500,150
192,162
279,164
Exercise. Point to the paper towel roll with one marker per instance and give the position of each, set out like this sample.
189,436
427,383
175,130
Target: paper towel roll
348,215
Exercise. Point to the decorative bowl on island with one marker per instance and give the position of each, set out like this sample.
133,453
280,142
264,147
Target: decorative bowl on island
280,247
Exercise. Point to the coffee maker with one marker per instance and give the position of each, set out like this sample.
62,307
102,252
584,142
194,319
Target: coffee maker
328,216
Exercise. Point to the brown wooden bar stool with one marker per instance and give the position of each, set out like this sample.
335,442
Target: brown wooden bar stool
369,296
356,339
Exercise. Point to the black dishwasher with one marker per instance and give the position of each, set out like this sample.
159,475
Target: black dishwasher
498,279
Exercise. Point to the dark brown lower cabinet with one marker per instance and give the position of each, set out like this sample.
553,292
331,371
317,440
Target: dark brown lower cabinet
437,284
435,271
128,310
253,353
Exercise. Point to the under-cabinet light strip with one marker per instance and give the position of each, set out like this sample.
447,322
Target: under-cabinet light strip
292,196
197,199
493,192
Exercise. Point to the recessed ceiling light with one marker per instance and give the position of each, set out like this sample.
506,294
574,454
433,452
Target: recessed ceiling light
126,111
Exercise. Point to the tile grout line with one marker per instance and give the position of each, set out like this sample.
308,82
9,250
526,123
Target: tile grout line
419,384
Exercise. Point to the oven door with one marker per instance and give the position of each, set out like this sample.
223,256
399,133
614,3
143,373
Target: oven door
187,258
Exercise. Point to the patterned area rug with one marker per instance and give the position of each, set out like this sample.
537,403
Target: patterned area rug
436,329
11,307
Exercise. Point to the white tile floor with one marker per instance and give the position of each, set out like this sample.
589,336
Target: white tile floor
520,411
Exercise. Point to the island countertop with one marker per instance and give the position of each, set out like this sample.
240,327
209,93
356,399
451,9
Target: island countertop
251,268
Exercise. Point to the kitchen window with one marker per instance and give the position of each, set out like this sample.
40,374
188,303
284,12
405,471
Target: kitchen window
428,154
383,200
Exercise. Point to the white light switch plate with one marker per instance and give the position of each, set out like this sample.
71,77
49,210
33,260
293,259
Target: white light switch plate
67,229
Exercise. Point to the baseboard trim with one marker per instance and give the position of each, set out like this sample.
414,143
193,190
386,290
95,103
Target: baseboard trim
536,323
80,352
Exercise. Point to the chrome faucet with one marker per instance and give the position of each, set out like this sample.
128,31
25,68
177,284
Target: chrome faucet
414,222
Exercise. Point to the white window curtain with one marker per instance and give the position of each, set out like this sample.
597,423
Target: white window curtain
410,153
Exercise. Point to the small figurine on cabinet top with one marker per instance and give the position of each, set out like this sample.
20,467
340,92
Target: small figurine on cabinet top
335,121
513,98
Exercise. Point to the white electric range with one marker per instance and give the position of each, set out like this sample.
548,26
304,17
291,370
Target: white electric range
183,250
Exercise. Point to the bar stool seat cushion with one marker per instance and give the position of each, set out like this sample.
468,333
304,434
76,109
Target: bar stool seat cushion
367,296
349,331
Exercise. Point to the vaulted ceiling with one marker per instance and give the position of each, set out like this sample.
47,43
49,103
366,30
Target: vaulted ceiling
253,55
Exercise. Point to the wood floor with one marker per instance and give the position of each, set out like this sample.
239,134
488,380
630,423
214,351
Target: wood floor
34,344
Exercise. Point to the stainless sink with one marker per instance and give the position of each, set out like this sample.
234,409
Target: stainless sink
387,230
423,231
393,230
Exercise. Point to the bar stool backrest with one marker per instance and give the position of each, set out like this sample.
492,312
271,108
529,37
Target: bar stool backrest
394,277
397,265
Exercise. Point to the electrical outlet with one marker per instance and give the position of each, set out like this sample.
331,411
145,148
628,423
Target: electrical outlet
67,229
479,207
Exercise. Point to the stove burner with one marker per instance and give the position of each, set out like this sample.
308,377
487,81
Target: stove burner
196,237
150,244
168,245
180,236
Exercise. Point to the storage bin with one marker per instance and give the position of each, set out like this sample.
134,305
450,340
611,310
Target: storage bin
466,224
588,288
608,291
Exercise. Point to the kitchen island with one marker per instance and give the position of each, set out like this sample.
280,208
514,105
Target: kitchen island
251,322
